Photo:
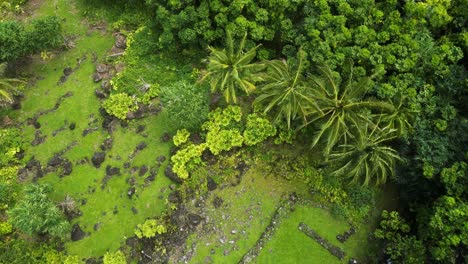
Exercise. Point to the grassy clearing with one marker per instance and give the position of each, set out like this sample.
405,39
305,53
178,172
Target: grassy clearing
82,108
290,245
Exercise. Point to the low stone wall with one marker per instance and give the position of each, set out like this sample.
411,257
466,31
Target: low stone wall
334,250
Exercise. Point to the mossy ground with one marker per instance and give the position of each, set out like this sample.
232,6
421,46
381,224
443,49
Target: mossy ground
82,108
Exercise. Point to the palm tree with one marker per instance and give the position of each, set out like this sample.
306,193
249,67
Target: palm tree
400,119
285,91
8,87
366,159
341,106
229,71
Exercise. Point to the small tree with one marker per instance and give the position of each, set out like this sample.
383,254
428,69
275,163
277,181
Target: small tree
37,214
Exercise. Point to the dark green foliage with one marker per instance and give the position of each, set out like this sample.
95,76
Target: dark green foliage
13,42
17,40
36,214
399,245
187,104
46,33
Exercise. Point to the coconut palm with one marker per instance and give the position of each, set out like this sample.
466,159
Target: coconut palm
366,159
8,87
229,71
400,119
285,91
341,106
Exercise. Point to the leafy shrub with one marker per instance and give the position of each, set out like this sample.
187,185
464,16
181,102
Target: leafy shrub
17,40
5,228
149,229
181,137
119,105
257,130
37,214
114,258
187,159
186,104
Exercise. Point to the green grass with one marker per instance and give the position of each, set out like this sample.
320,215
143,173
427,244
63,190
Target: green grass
82,108
258,196
289,245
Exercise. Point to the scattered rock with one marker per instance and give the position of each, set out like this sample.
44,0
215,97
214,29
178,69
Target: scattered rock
151,177
38,138
131,191
126,165
55,161
217,202
77,233
161,159
112,171
67,167
89,130
102,68
141,146
131,181
84,201
171,175
194,219
100,94
106,86
172,187
166,137
67,71
97,77
107,144
143,170
72,126
98,158
116,210
97,226
120,41
140,128
211,184
134,210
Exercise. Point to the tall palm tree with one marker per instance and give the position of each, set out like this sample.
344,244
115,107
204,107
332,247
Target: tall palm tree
229,70
341,106
8,87
400,119
366,159
285,91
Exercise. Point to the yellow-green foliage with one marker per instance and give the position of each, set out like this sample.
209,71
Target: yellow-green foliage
5,228
114,258
119,105
186,159
8,174
257,130
181,137
149,229
72,260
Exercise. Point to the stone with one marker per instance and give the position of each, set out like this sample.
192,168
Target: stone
36,124
211,184
217,202
55,161
100,94
84,201
161,159
77,233
97,226
166,137
120,41
106,86
126,165
171,175
143,170
67,71
194,219
140,128
112,171
102,68
72,126
107,144
172,187
141,146
98,158
134,210
97,77
67,167
131,191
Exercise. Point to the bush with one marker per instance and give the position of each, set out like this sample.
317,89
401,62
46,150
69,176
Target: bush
186,104
149,229
114,258
17,41
119,105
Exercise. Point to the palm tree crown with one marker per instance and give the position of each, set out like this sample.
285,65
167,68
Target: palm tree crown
229,71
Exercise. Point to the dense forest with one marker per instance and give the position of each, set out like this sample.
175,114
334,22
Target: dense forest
233,131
